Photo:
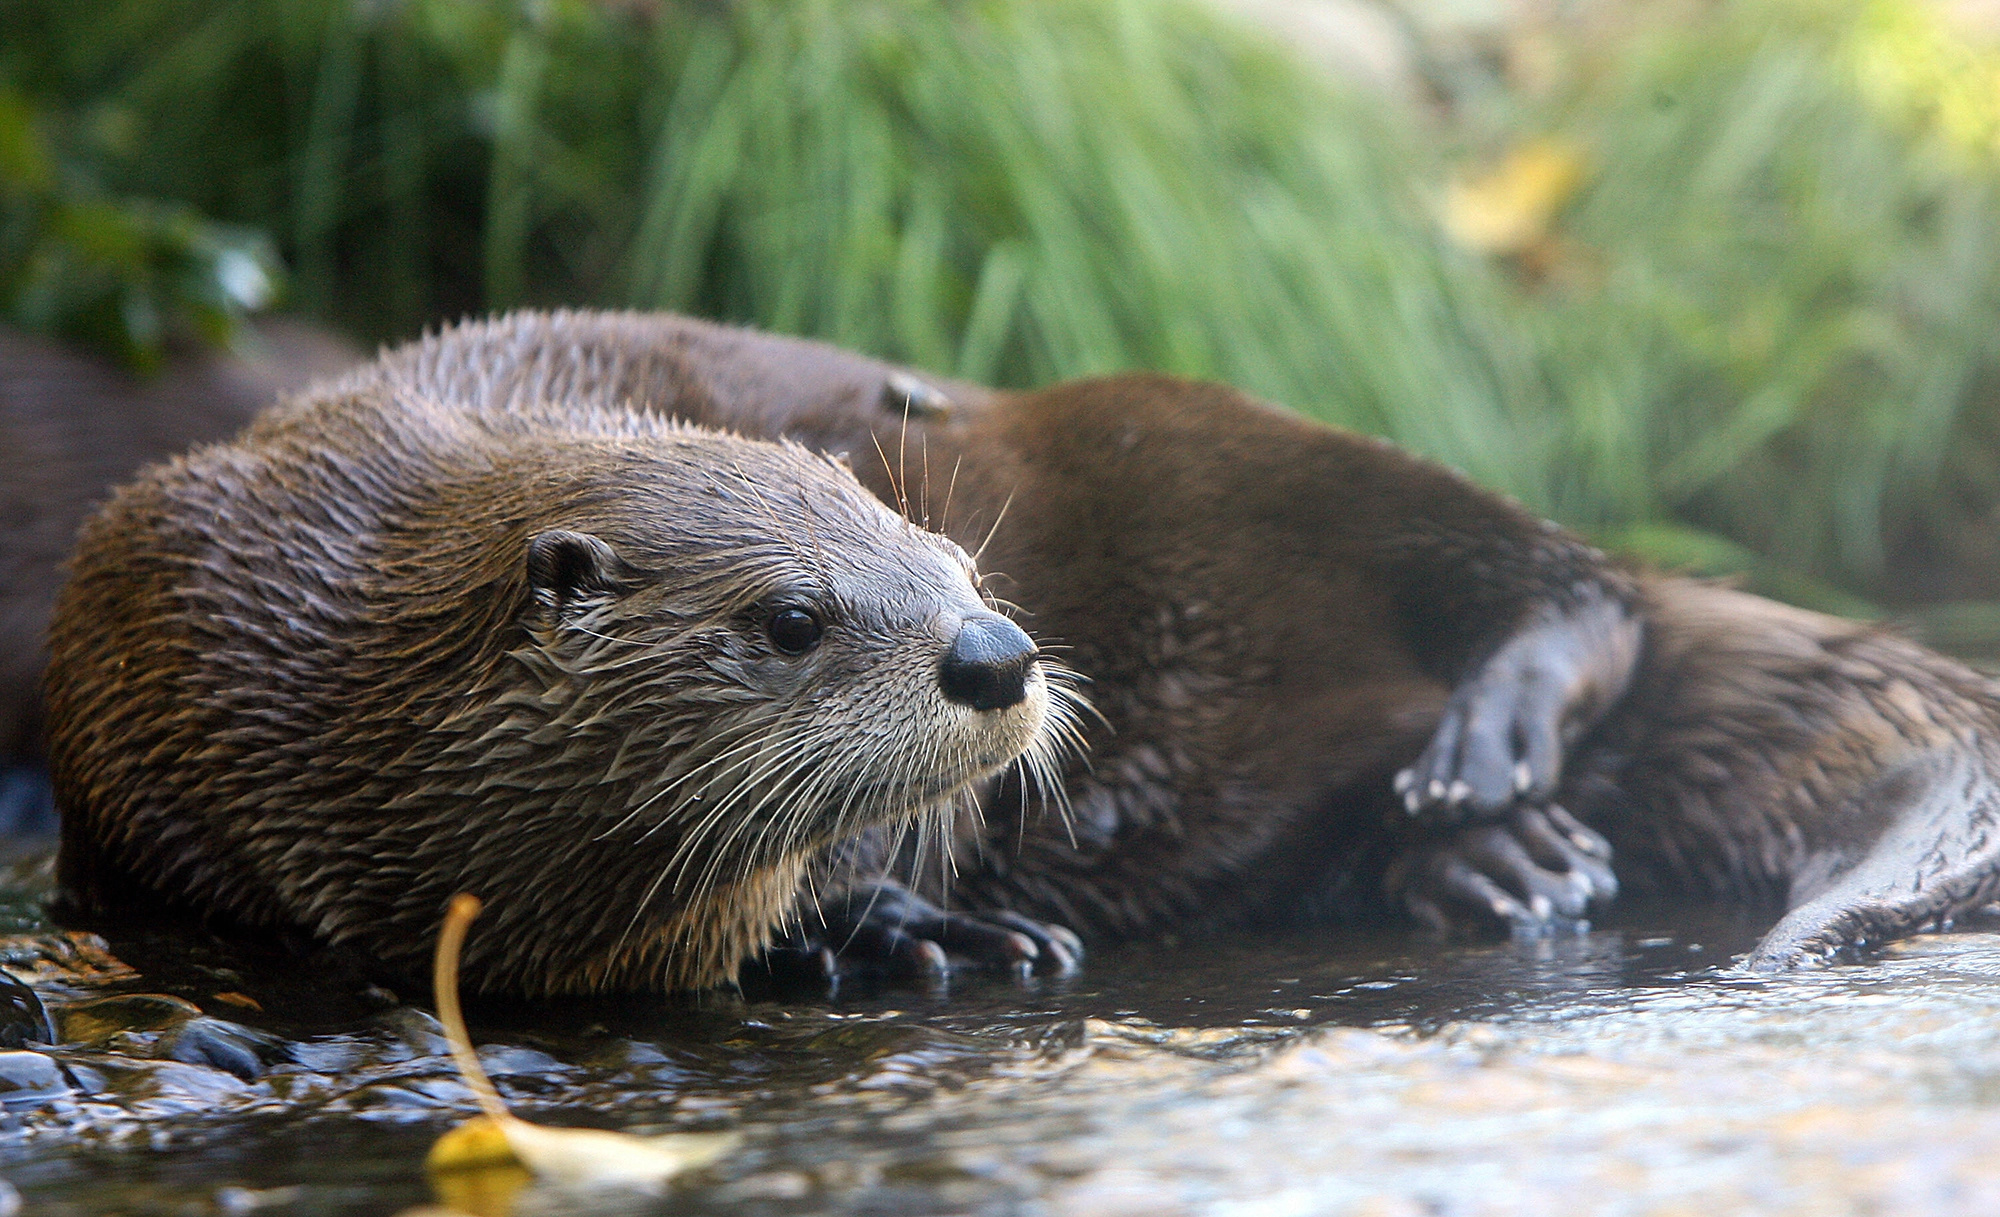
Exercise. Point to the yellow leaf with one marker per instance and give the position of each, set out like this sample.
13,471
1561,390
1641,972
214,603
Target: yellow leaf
1509,208
473,1170
477,1144
480,1166
590,1157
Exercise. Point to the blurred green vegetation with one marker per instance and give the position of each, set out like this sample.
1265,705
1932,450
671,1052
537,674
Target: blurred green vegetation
1728,300
128,277
1771,312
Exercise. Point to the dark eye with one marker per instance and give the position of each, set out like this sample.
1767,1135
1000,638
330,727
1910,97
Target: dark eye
793,630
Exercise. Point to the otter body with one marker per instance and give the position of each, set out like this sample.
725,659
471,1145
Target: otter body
71,428
1320,666
624,678
1328,678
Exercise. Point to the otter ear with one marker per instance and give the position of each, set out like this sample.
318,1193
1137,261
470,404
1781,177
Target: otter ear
565,568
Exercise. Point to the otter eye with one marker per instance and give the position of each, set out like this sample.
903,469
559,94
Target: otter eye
793,630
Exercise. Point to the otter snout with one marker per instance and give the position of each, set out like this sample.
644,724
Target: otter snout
988,664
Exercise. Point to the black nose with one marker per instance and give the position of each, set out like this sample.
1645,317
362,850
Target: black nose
987,665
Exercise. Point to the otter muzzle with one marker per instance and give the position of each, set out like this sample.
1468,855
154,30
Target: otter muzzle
988,664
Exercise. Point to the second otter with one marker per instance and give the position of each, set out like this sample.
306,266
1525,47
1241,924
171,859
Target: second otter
1323,665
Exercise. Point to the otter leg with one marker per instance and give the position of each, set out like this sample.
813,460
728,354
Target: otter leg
885,925
1501,739
1538,871
1938,860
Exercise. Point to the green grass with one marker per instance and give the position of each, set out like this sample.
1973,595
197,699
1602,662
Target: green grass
1787,331
1760,338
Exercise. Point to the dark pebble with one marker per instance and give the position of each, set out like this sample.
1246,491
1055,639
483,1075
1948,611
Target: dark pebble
230,1047
23,1021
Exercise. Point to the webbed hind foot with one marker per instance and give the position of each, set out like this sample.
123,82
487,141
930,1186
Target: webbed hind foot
1537,872
1938,861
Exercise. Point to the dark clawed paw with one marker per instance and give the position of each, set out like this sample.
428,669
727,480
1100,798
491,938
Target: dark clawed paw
1498,744
894,932
799,964
1059,950
1538,872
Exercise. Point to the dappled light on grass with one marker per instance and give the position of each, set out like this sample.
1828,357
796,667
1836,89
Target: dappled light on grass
1766,313
1509,208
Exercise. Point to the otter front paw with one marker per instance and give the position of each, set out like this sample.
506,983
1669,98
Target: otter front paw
890,929
1537,872
1500,740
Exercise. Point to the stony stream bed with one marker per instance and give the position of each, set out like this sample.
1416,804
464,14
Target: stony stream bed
1626,1071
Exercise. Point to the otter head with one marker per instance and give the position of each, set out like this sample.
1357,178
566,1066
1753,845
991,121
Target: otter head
735,658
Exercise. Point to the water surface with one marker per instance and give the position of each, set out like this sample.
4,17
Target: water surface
1626,1071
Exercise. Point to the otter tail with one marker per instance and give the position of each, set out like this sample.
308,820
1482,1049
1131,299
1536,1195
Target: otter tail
1830,766
1937,859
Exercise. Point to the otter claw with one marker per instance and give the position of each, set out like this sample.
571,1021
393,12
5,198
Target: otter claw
1057,947
891,930
1500,740
1537,871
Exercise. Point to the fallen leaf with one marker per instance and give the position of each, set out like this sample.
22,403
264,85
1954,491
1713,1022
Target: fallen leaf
1510,208
474,1170
481,1165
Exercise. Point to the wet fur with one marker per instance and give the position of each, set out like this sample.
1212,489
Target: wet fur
71,428
1274,617
315,678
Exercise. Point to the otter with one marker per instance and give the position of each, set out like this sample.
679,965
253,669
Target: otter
1328,679
71,428
627,678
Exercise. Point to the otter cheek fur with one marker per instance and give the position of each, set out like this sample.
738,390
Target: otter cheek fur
622,678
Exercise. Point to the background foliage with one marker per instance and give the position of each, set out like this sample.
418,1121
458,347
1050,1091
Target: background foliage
1721,289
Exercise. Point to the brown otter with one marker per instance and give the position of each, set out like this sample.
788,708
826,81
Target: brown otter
625,677
71,428
1322,666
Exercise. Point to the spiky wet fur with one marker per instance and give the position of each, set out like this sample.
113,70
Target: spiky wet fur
305,679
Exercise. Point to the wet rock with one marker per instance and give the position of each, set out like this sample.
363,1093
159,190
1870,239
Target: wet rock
30,1077
95,1022
23,1021
419,1033
220,1044
504,1060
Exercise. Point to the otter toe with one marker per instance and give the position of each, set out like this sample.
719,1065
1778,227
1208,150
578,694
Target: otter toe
1539,872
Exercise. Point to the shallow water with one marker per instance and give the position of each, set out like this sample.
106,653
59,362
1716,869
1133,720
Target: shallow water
1626,1071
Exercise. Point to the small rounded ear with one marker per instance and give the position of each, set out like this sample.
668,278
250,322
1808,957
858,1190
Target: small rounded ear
567,567
905,395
